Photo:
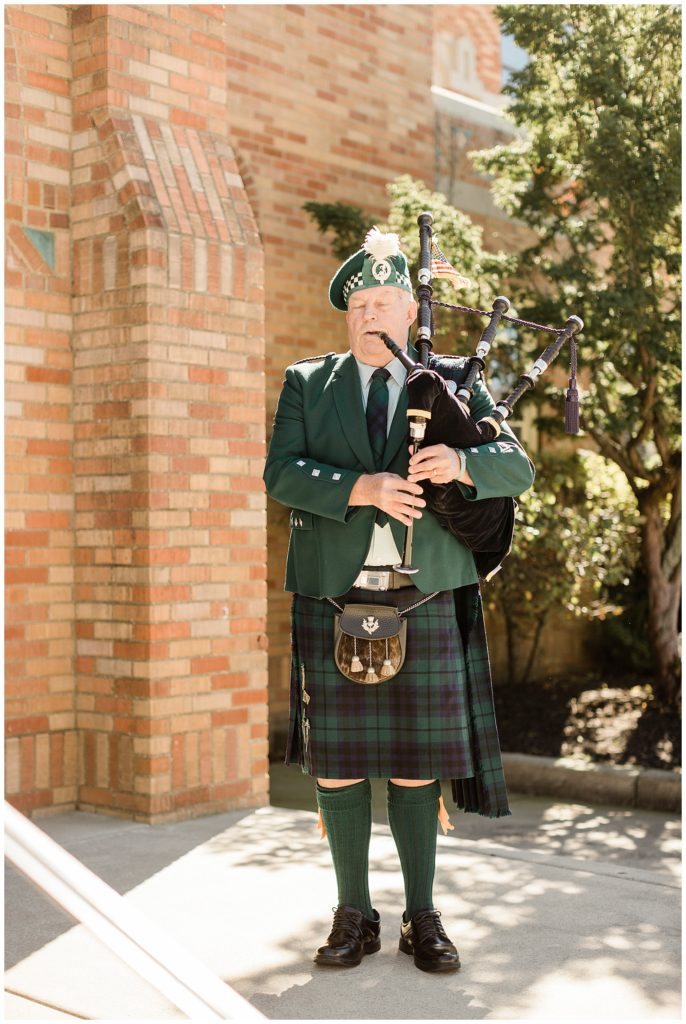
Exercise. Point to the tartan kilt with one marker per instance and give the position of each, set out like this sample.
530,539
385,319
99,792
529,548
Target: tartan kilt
364,731
414,725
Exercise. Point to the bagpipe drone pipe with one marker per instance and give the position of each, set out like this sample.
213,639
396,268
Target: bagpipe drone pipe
438,413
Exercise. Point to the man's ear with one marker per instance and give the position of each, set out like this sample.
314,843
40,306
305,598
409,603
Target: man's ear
411,312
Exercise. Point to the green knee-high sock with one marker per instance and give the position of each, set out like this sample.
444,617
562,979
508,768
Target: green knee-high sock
347,816
412,815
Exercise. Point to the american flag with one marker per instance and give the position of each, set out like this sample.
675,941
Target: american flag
441,267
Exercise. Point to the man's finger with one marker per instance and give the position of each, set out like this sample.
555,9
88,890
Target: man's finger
408,487
406,502
405,520
424,454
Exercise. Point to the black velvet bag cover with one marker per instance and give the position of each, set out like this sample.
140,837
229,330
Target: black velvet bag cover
486,527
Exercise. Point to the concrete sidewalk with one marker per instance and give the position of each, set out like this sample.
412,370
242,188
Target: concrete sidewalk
589,931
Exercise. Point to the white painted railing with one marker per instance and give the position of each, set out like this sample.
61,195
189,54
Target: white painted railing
143,945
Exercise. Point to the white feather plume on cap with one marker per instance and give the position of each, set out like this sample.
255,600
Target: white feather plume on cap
380,246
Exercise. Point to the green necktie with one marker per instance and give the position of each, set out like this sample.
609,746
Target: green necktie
377,414
377,422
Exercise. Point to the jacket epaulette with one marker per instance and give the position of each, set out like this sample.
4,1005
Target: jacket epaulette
313,359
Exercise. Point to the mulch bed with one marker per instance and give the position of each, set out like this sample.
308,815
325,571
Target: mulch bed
615,721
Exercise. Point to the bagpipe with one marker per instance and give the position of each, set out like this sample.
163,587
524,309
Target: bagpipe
438,413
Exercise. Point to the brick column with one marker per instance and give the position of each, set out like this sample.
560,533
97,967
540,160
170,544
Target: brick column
169,435
41,745
136,541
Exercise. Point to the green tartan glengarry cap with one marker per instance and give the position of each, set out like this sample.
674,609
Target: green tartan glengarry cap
379,262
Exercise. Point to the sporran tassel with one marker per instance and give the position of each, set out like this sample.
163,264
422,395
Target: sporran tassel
371,676
572,396
355,663
386,668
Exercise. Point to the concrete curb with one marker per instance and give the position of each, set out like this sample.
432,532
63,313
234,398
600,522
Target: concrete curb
572,779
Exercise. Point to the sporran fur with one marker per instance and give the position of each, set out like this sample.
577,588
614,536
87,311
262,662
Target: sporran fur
365,660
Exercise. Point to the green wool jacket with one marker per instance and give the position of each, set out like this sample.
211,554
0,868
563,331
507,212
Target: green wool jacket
320,447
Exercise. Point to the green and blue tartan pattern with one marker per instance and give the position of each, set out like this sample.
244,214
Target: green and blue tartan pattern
435,719
411,726
484,792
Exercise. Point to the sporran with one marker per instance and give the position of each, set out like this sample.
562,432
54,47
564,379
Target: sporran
370,640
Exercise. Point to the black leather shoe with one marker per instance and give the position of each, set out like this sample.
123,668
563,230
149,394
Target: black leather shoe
424,938
352,935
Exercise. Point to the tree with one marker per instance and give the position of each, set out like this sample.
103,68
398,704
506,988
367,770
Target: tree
347,224
597,177
574,545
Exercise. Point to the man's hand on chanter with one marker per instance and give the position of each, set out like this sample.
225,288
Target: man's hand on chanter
391,493
437,463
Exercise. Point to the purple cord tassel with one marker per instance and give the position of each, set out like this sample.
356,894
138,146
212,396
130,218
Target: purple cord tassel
572,396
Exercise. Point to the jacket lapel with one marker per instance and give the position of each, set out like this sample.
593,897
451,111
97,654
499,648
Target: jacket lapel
347,396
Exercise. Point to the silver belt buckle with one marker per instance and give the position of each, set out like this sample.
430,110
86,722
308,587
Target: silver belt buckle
368,580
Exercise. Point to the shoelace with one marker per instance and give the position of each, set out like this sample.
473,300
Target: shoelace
427,925
345,925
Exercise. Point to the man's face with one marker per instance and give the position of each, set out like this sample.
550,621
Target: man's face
387,309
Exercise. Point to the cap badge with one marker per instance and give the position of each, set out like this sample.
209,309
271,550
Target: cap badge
381,271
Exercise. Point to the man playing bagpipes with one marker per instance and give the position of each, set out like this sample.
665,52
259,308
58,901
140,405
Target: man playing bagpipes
390,672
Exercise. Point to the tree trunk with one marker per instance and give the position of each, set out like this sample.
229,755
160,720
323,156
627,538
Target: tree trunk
510,635
534,648
663,573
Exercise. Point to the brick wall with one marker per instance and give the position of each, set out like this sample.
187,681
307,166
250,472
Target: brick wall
331,103
41,745
169,411
164,594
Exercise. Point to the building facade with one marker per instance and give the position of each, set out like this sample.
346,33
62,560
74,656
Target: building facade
161,273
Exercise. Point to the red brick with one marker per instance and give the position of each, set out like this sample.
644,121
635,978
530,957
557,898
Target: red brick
26,576
26,538
247,697
231,789
57,759
236,716
27,802
187,118
151,765
207,375
202,665
200,795
229,680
